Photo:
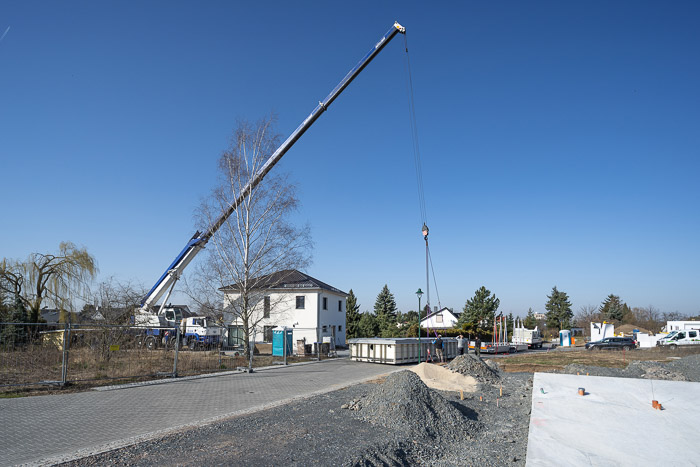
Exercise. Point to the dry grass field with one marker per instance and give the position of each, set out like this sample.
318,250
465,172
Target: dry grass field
558,359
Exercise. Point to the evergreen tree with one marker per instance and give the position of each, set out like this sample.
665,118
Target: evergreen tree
14,334
5,308
530,322
479,311
352,316
368,326
614,309
510,321
559,311
385,310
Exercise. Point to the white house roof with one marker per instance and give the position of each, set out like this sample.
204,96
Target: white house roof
445,309
287,279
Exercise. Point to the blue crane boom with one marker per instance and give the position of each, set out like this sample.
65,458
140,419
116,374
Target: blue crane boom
167,280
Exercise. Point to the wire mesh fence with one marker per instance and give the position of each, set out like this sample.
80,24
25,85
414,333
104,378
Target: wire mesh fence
41,354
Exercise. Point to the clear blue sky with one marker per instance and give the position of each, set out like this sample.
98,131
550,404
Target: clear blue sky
560,141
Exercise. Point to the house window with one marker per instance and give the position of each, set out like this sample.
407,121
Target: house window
266,309
325,328
325,303
340,305
340,328
300,302
235,336
438,318
267,333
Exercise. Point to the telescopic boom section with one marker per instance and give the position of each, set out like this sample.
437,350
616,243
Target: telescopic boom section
199,240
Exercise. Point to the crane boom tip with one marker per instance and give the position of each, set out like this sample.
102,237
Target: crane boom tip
400,28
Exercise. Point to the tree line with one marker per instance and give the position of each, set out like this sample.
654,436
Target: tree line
481,310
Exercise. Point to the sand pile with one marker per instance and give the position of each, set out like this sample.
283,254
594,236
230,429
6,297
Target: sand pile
443,379
405,403
474,366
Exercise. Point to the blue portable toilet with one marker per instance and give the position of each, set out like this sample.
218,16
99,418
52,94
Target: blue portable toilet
564,338
281,337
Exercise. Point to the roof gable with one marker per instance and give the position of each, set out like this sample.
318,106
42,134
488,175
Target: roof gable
443,311
287,279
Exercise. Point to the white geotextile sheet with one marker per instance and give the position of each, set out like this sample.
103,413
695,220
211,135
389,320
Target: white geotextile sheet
614,423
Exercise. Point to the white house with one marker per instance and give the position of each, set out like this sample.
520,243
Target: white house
313,309
440,319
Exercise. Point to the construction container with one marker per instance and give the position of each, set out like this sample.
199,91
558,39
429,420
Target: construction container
396,351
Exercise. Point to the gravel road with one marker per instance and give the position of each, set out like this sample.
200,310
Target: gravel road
319,431
395,422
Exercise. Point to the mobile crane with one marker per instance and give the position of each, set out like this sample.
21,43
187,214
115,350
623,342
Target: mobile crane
154,317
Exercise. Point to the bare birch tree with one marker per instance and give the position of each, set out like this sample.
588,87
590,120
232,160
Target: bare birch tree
258,239
116,300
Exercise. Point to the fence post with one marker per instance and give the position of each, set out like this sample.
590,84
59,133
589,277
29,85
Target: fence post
284,343
177,350
66,344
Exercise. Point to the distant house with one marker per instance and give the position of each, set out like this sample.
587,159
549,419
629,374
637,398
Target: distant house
539,316
313,309
445,318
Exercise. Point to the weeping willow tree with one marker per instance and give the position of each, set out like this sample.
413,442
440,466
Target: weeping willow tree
53,279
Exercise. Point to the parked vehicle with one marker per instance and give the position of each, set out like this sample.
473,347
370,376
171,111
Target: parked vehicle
200,332
613,343
522,335
676,338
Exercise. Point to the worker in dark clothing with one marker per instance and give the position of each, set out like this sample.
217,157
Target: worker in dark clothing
477,347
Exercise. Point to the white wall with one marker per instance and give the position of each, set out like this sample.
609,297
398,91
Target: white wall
448,321
304,322
601,330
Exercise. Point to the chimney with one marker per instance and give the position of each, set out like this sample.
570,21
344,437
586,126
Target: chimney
435,308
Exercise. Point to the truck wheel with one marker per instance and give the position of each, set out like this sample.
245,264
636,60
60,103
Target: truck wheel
626,347
150,343
193,344
673,346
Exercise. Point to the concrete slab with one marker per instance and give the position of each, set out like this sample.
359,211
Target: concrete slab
614,423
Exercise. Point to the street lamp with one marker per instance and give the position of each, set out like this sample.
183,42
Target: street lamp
420,294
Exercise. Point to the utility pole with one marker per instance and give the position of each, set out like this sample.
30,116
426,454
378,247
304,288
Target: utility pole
427,286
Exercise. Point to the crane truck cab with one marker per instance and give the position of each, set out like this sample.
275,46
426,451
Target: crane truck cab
200,332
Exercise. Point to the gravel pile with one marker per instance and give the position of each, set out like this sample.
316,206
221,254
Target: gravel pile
683,369
687,366
403,402
476,367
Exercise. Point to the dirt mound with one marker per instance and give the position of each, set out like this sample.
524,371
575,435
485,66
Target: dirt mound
403,402
443,379
673,371
474,366
655,370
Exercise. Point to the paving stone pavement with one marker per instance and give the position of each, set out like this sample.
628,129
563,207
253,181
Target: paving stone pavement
45,430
